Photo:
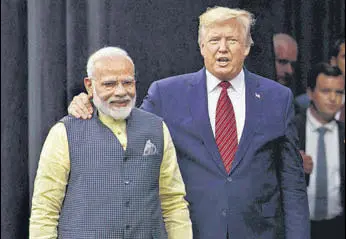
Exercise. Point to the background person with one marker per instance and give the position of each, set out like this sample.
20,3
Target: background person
322,139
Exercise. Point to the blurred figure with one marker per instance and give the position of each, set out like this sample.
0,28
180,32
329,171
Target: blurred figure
286,53
337,55
336,58
322,148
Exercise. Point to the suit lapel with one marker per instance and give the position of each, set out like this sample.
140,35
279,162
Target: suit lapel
253,116
198,98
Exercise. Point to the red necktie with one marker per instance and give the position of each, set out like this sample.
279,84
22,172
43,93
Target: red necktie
225,127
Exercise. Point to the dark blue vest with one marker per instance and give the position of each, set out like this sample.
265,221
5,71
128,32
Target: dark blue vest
113,193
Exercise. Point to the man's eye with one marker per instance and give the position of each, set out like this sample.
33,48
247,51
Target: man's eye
232,41
127,82
325,91
213,40
108,84
283,61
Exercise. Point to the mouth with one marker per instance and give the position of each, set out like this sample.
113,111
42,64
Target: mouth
285,80
223,61
119,103
332,107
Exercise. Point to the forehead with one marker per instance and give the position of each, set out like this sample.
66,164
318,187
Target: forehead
115,65
325,81
228,27
286,51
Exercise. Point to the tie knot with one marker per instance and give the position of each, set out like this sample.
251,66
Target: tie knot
225,84
322,130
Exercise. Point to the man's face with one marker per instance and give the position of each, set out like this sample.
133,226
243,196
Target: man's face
285,59
327,97
339,60
114,90
224,49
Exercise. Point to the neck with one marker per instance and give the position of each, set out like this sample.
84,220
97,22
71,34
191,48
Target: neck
320,117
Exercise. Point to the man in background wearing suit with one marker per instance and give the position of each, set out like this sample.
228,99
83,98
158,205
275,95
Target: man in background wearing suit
336,58
322,139
235,141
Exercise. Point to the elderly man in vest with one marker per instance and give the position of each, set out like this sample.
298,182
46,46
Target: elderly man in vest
115,175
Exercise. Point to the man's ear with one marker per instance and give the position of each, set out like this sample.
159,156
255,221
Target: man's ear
88,85
247,50
201,49
333,61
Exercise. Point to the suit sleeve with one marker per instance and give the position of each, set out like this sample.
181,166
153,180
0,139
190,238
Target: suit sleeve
292,179
152,101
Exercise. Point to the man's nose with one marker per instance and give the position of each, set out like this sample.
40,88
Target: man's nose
119,90
223,45
333,96
289,68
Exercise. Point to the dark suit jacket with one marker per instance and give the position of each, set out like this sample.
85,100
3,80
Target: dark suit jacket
264,196
300,122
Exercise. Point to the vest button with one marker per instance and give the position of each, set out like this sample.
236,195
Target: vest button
127,203
127,182
127,227
229,179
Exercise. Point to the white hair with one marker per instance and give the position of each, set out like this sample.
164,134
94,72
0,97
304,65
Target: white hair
219,14
106,52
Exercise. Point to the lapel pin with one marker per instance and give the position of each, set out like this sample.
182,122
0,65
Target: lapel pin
258,95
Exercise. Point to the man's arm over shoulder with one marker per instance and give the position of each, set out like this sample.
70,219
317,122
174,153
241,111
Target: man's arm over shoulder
152,101
292,179
172,192
50,184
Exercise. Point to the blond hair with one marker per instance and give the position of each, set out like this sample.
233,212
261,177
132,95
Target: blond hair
219,14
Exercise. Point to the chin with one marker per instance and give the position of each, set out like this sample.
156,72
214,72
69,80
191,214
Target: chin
120,113
223,75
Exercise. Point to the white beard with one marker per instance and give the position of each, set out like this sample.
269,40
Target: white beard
120,113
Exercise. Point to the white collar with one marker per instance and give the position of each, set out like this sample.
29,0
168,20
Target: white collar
315,124
237,83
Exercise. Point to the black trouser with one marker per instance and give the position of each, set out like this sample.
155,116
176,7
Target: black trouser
328,229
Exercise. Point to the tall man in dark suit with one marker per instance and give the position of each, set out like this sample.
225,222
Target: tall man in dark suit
322,139
235,141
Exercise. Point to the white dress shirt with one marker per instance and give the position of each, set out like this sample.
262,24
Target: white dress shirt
333,165
236,93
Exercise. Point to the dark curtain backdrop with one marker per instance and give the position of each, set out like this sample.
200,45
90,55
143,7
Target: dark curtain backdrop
45,45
